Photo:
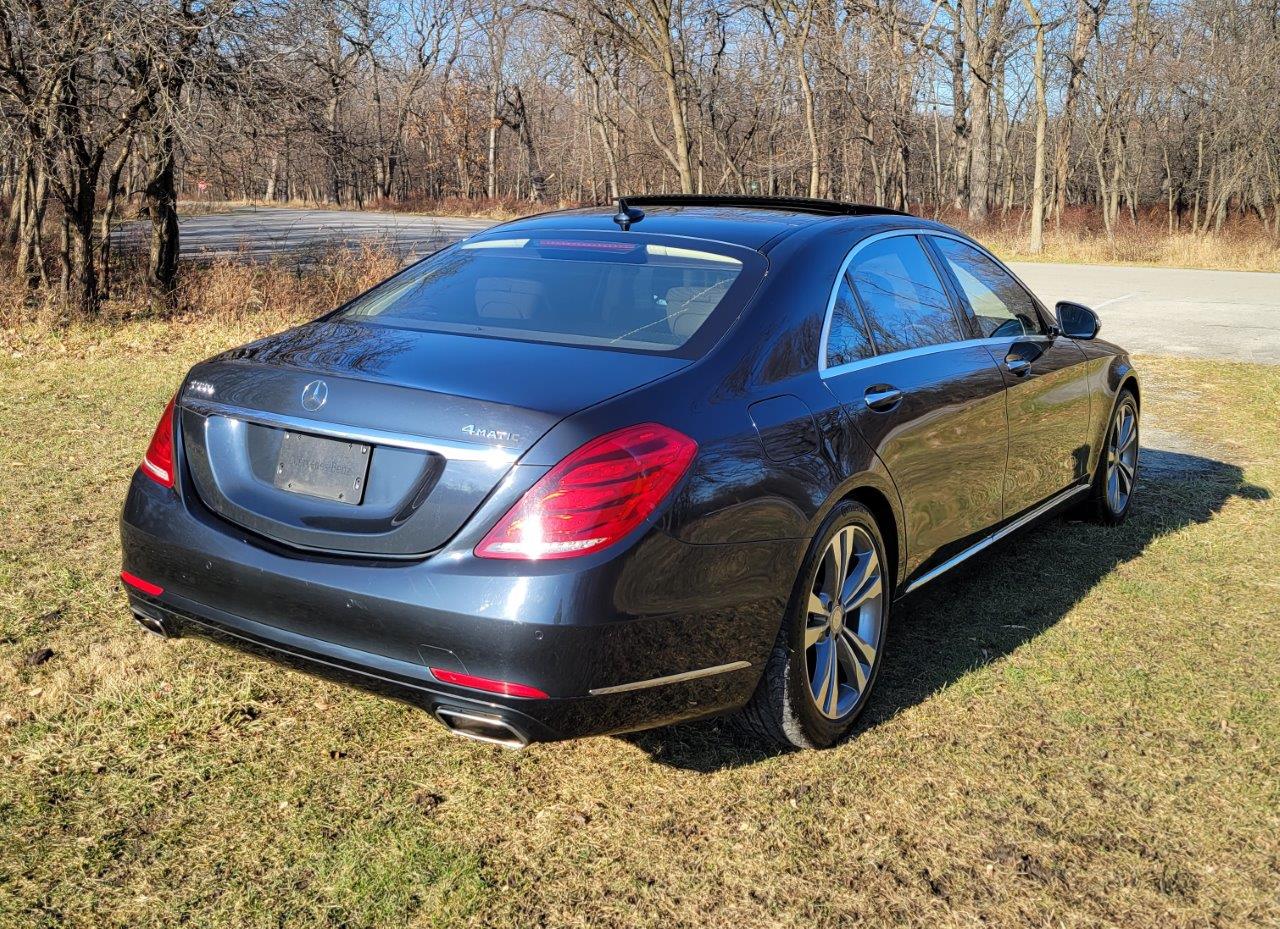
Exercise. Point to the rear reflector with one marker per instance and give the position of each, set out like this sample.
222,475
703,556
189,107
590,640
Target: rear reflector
594,497
157,463
137,583
506,688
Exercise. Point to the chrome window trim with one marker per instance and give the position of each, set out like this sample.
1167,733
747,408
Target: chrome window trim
824,371
494,455
850,366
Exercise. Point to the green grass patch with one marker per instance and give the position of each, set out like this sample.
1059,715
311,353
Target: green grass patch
1080,730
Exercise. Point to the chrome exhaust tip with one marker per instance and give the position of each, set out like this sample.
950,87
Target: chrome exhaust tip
153,625
482,728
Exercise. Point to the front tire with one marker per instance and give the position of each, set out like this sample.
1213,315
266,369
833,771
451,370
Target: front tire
824,665
1111,497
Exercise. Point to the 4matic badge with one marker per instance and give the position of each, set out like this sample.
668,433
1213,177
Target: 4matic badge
492,435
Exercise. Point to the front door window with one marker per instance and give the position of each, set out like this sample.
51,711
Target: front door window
1000,305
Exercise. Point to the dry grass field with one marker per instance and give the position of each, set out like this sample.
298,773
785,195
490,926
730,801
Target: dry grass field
1082,730
1157,248
1239,248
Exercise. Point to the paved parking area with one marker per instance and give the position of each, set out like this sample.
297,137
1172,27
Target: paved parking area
1172,311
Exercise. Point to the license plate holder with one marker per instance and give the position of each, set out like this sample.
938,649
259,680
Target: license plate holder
331,469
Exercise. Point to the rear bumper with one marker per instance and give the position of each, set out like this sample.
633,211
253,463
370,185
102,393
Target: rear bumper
658,609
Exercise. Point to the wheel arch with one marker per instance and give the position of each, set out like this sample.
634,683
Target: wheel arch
876,501
1130,383
1117,378
1120,375
1126,383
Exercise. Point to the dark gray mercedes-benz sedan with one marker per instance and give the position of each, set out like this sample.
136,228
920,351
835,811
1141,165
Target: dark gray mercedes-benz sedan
610,468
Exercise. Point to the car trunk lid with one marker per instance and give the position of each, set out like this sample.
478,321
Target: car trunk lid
363,439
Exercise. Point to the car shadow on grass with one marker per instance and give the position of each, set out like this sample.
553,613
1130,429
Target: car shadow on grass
993,604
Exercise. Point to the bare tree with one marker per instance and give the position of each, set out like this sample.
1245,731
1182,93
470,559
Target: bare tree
1036,243
931,105
653,31
982,24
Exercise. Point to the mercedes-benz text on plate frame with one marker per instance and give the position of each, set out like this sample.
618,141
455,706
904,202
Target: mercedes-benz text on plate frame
594,471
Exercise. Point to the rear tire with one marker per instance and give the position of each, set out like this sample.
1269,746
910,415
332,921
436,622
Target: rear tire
819,677
1116,480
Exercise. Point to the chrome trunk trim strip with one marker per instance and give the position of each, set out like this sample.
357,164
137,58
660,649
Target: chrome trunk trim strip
494,455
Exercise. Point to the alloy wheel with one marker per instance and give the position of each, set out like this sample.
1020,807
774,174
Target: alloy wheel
845,622
1122,458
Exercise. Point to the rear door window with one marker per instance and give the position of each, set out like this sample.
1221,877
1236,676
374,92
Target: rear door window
626,291
999,303
906,305
848,339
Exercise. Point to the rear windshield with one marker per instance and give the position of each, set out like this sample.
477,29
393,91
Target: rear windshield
626,291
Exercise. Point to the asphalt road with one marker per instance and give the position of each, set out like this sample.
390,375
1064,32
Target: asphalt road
1172,311
1210,314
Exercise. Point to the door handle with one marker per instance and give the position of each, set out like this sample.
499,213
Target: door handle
1016,365
882,397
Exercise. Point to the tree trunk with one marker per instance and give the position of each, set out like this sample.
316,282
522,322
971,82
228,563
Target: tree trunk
161,198
332,112
491,162
519,123
960,123
79,285
980,153
610,153
1002,161
810,119
1036,243
981,50
106,219
30,265
18,207
273,174
679,129
1086,22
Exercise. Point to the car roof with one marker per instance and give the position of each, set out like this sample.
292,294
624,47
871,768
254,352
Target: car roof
751,222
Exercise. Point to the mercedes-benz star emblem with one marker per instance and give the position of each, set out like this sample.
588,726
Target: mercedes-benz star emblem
314,395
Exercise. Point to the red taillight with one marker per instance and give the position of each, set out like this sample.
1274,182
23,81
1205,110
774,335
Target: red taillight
157,463
506,688
594,497
137,583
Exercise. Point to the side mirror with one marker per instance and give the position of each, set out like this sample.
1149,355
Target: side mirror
1077,321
